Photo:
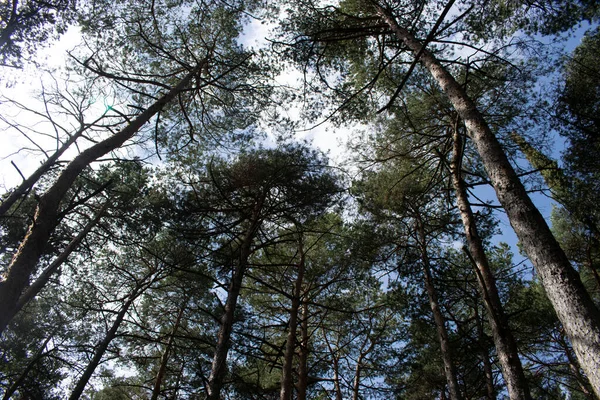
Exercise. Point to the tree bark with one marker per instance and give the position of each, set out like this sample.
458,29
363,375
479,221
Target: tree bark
287,381
564,288
219,364
512,370
440,323
45,219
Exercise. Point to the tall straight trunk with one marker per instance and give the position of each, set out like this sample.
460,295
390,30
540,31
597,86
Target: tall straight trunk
101,348
46,216
164,359
440,323
219,363
512,370
303,359
562,284
287,381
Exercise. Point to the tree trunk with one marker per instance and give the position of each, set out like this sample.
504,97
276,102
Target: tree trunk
303,359
17,383
45,219
440,323
219,364
287,381
41,281
572,303
512,370
165,356
101,349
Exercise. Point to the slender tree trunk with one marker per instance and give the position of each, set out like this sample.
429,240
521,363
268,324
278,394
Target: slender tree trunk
287,381
336,379
564,288
45,219
15,386
356,381
440,323
101,349
512,370
219,364
303,359
336,367
165,356
41,281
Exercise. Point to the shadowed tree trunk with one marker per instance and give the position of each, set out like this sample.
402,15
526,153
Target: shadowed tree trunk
103,346
564,288
287,381
219,364
303,359
440,323
512,370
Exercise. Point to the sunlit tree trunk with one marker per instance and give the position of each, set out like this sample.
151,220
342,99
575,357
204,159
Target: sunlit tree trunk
564,288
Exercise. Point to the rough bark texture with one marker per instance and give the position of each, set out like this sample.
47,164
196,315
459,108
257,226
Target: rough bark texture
506,347
101,349
440,323
287,381
572,303
45,219
219,364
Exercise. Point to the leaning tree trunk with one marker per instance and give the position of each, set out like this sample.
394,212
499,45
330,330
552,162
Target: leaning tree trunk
101,348
219,363
46,216
562,284
287,381
44,277
512,370
440,323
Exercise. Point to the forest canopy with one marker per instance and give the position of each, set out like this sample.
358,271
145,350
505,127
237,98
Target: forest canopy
169,231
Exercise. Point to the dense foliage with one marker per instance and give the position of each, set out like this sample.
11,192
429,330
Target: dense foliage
170,237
